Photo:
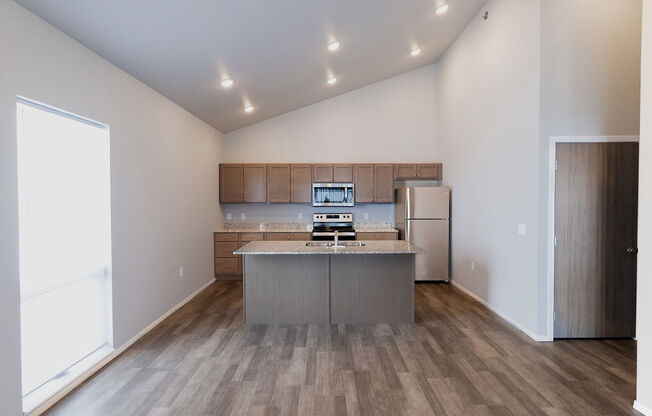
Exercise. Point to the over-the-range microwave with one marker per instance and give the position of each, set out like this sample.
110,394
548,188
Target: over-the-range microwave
332,195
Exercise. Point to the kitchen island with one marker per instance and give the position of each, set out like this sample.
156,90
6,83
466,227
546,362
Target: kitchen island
298,282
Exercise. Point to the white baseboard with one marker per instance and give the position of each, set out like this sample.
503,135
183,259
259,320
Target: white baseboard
647,411
78,381
519,326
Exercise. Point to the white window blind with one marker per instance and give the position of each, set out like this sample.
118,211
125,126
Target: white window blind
65,241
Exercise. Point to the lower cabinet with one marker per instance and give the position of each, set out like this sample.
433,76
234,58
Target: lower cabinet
229,265
288,236
377,236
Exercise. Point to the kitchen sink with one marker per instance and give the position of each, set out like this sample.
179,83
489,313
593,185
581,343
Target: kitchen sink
333,245
320,244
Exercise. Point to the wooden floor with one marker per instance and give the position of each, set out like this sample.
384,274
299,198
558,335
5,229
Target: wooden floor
458,359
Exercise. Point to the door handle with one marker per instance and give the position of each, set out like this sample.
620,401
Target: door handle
632,250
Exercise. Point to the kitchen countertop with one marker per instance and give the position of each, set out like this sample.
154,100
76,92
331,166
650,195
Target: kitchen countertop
299,247
291,227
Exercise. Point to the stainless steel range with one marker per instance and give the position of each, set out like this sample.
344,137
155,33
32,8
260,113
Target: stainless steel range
325,225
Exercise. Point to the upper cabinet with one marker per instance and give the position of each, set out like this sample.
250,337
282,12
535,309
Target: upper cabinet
363,182
292,183
278,183
384,183
255,183
231,183
429,171
342,173
322,173
338,172
301,183
417,171
374,183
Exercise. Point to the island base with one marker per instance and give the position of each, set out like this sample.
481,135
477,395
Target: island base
329,289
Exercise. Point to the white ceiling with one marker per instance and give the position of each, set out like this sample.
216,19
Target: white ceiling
274,50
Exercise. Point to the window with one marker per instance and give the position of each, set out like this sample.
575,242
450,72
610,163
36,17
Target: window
65,247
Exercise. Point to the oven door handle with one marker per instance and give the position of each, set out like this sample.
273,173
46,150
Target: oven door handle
332,234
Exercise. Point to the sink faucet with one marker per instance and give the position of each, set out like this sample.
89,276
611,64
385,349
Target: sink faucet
337,237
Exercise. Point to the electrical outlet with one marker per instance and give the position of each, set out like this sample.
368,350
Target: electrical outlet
366,215
300,215
242,216
229,216
181,271
522,230
472,266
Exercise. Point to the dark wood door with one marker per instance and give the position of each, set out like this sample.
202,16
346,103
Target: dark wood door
301,184
363,176
231,183
384,183
278,183
596,201
343,173
322,173
255,183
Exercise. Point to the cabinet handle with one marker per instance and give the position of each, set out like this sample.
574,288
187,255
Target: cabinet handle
288,237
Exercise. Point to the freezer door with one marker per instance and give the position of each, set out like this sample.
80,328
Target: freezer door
427,202
431,236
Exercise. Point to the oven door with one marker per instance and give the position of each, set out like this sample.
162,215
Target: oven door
332,195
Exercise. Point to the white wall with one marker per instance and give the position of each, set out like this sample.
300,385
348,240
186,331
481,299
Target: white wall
644,306
164,180
389,121
590,85
488,102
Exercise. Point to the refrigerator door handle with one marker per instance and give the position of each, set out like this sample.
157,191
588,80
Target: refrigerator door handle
408,237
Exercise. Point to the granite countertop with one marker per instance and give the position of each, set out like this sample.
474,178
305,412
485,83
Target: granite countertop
299,247
297,227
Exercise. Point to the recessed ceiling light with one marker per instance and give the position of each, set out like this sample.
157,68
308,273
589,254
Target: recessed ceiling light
333,46
332,80
442,9
249,108
226,83
415,52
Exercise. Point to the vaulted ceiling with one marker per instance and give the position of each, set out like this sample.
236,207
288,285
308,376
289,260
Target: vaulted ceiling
274,51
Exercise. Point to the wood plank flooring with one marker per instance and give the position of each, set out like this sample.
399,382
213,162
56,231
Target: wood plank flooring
457,359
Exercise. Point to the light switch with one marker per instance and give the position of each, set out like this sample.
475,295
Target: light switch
366,215
472,266
181,271
228,216
301,215
242,216
522,230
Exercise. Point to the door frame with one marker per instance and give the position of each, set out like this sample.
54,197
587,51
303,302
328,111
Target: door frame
552,186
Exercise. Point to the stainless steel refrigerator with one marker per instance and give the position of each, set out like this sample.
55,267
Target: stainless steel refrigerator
422,218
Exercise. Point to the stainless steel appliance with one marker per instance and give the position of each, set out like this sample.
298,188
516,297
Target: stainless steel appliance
332,195
325,225
422,218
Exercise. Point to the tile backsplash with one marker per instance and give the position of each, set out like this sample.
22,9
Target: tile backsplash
302,213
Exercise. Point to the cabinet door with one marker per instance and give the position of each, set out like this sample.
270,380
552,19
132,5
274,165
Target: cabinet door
225,249
301,183
343,173
377,236
405,171
288,236
429,171
231,184
278,183
255,183
322,173
363,177
384,183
